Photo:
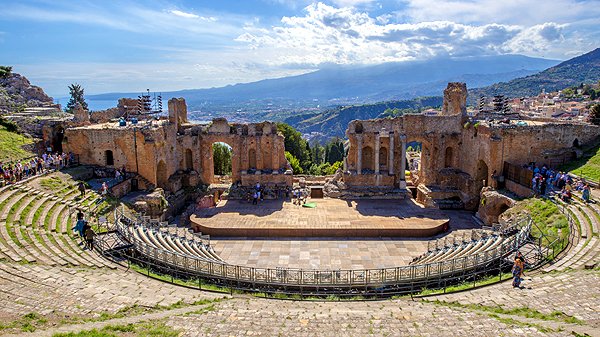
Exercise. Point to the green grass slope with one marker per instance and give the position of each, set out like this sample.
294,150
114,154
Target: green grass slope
11,146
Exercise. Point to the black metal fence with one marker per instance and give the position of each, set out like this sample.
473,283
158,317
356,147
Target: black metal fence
364,282
518,174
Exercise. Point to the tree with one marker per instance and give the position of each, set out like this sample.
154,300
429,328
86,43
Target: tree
222,159
5,71
76,92
334,151
294,163
296,145
594,115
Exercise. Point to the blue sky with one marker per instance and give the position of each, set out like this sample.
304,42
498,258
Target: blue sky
164,45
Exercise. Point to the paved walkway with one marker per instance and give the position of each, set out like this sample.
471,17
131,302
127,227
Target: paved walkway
57,292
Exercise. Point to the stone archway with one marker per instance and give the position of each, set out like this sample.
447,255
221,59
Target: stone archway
448,157
383,158
252,159
161,174
482,175
368,161
189,160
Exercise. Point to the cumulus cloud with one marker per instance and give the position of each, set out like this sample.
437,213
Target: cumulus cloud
326,34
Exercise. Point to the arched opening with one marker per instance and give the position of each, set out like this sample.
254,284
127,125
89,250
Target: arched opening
358,127
189,160
576,143
448,158
252,159
221,154
367,159
109,158
481,177
383,158
57,139
161,174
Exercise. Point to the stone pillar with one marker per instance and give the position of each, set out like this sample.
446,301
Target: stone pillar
403,162
377,146
274,154
391,155
358,154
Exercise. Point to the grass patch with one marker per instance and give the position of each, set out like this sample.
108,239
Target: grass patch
52,184
557,316
550,223
142,329
587,167
26,323
11,146
465,285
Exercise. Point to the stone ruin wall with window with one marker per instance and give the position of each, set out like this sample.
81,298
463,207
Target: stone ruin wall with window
458,158
173,153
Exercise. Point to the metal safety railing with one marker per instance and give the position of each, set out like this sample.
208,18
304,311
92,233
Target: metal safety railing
396,280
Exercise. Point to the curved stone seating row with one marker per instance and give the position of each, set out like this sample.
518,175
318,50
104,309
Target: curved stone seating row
467,242
585,248
34,227
161,239
460,250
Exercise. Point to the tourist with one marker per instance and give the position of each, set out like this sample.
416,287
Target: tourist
81,188
255,198
517,270
79,226
117,175
586,193
104,190
89,237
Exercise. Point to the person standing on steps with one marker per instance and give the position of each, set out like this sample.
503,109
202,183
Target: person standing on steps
586,193
89,237
517,270
81,189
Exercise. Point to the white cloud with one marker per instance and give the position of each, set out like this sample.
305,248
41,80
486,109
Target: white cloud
327,34
522,12
184,14
192,15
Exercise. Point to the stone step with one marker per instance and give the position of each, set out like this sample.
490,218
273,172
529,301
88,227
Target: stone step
39,251
55,249
586,254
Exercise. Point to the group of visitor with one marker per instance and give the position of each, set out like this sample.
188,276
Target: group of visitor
13,172
546,180
84,229
299,197
258,194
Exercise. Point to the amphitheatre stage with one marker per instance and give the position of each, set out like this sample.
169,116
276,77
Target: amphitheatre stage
331,218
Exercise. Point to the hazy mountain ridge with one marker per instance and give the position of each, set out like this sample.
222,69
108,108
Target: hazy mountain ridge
580,69
363,84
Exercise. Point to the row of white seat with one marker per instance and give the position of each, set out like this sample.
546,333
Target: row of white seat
173,243
458,251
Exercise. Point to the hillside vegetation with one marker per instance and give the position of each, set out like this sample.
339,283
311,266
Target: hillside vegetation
588,166
334,122
11,146
581,69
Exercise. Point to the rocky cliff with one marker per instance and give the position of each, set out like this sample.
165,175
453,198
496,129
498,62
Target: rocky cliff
16,90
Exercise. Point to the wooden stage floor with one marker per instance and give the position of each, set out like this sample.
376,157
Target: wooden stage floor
331,218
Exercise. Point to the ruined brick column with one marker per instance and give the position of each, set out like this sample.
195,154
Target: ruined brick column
403,162
358,154
391,155
377,147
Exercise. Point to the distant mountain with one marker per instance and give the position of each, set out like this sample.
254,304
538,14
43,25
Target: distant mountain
334,122
581,69
357,84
